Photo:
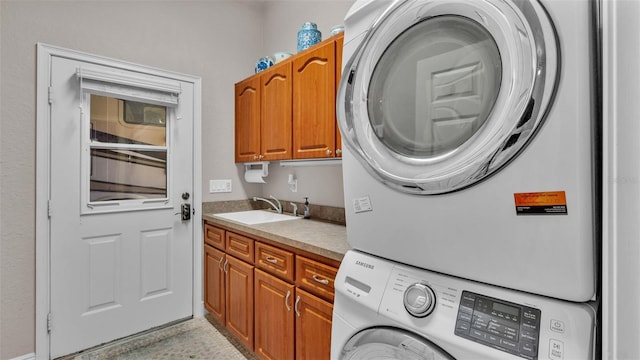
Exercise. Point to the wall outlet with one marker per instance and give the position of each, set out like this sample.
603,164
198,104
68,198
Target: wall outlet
220,186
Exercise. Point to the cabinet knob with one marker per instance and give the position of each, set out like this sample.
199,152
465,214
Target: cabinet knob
338,151
255,157
328,152
261,157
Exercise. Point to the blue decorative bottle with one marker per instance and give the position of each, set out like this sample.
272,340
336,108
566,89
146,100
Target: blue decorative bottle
308,36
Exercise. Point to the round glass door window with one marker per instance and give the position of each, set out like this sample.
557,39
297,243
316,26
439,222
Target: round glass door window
434,87
391,343
442,94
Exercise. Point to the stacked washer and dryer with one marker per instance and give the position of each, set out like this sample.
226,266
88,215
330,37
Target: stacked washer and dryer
471,177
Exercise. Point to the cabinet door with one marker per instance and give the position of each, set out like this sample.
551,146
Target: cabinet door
239,300
247,123
214,294
314,93
274,321
276,112
339,62
313,326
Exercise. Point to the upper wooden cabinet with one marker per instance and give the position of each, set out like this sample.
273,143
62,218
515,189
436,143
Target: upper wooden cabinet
247,114
288,111
314,94
276,112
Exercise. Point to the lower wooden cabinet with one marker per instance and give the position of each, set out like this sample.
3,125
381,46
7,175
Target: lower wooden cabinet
214,296
276,312
239,299
274,320
313,326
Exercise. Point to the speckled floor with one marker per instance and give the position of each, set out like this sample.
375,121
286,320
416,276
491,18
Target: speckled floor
192,339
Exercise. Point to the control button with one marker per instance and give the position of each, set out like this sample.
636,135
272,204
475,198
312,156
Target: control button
493,339
529,335
508,344
419,300
557,326
529,348
478,334
556,349
463,326
464,316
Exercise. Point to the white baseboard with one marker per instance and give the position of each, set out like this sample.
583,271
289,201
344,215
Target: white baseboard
31,356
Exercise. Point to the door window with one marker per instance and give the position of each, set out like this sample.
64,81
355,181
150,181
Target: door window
128,150
434,86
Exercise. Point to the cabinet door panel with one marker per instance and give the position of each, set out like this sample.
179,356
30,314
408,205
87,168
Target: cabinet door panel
274,321
313,327
275,261
315,277
214,236
276,112
214,294
239,300
247,119
314,124
240,246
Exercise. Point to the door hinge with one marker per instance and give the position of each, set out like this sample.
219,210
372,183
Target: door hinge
49,323
49,208
50,95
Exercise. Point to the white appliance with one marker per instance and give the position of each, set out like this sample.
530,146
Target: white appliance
386,310
469,139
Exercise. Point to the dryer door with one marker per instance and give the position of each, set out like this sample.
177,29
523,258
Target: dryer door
390,343
443,93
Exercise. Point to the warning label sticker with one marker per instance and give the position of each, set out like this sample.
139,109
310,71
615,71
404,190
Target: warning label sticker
541,203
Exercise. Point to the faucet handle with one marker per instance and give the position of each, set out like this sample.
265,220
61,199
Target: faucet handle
295,209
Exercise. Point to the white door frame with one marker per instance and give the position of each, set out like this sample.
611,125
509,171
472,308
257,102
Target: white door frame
44,54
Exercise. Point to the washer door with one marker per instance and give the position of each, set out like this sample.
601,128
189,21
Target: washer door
390,343
443,93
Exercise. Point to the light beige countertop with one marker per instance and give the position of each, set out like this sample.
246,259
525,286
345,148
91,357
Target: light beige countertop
317,237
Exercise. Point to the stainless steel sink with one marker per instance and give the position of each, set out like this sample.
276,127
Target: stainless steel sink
253,217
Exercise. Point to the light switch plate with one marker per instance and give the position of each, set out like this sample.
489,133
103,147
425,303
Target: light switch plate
220,186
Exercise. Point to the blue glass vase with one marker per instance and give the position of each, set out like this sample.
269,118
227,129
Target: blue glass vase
308,36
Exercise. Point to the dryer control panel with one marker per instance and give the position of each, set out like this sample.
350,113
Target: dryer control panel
499,324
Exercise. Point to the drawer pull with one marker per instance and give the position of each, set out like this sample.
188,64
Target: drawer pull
220,264
225,266
321,281
271,259
286,300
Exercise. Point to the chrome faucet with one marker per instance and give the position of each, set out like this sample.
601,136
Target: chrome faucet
277,208
295,209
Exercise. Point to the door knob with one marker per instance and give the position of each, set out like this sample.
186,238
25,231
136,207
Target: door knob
185,196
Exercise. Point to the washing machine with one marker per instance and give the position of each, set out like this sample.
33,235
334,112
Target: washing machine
387,310
471,139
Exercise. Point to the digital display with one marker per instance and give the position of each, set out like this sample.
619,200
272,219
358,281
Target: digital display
506,309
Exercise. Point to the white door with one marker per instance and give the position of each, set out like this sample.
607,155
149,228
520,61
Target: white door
121,169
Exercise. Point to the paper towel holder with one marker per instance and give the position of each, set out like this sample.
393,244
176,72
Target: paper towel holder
262,166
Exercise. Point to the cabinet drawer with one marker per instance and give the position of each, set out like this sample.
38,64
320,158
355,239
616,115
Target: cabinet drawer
214,236
240,246
275,261
315,277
